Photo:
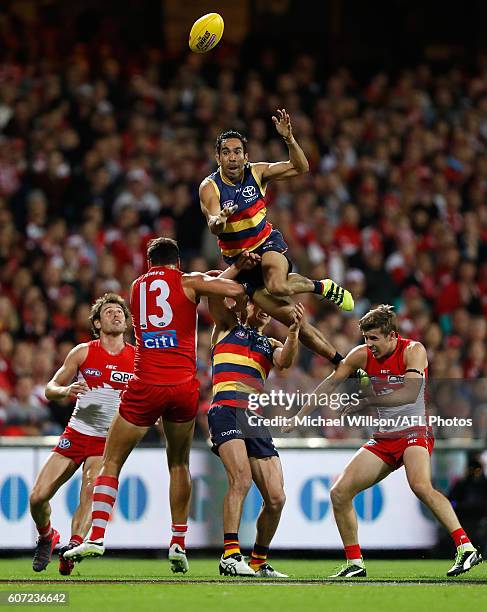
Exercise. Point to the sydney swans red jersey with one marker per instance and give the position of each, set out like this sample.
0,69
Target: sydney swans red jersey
106,375
164,322
387,375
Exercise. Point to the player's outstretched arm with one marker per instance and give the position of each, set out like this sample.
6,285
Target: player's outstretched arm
355,360
416,362
284,356
210,206
223,316
297,163
60,385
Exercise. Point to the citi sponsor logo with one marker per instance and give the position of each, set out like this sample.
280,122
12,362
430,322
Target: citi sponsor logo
121,377
160,339
92,372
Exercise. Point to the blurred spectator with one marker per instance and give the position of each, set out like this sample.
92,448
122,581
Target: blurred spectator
102,148
469,499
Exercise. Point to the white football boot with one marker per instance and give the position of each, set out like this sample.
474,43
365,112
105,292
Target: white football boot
90,548
234,565
178,559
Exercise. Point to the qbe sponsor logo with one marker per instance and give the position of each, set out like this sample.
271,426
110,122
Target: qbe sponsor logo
121,377
160,339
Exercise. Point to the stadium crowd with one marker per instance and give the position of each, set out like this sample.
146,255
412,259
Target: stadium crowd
99,152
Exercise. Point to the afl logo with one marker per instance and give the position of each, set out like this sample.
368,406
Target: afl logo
64,443
241,334
92,372
249,191
227,204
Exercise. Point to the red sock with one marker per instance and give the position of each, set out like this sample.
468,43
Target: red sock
45,532
104,496
76,539
460,537
178,534
353,552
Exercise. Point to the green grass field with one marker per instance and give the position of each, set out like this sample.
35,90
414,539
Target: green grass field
135,584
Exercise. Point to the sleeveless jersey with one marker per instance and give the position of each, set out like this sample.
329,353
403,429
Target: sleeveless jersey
387,375
248,227
106,375
164,321
241,362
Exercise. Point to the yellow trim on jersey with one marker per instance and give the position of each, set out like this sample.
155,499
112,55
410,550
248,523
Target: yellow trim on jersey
238,226
225,180
233,252
257,180
233,385
239,360
215,186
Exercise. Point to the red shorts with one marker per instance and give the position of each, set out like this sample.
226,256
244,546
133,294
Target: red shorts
143,404
78,447
391,450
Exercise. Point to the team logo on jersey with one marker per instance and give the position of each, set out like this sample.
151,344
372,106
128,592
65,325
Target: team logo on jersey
160,339
64,443
92,372
121,377
249,191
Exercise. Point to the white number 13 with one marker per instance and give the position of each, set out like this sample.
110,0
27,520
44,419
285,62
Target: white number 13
161,300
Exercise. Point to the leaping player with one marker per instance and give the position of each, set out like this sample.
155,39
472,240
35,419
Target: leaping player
397,368
163,304
103,367
233,202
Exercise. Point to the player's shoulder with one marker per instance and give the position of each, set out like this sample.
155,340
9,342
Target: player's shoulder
208,180
80,351
357,357
414,346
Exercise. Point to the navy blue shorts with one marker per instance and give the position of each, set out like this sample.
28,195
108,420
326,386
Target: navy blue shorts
227,423
253,278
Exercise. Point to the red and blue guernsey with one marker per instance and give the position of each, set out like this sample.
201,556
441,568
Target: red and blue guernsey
248,227
164,321
241,362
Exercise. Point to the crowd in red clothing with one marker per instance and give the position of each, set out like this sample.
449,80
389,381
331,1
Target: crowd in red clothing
99,152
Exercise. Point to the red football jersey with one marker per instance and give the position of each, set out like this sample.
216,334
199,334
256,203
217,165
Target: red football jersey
164,322
106,375
387,375
389,372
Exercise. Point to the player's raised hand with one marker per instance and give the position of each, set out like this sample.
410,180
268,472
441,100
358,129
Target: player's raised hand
77,388
298,316
283,124
247,260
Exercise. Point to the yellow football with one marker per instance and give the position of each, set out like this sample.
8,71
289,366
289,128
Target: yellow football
206,33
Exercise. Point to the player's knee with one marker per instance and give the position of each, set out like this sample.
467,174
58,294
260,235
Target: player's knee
277,287
276,501
421,489
38,496
339,495
240,483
